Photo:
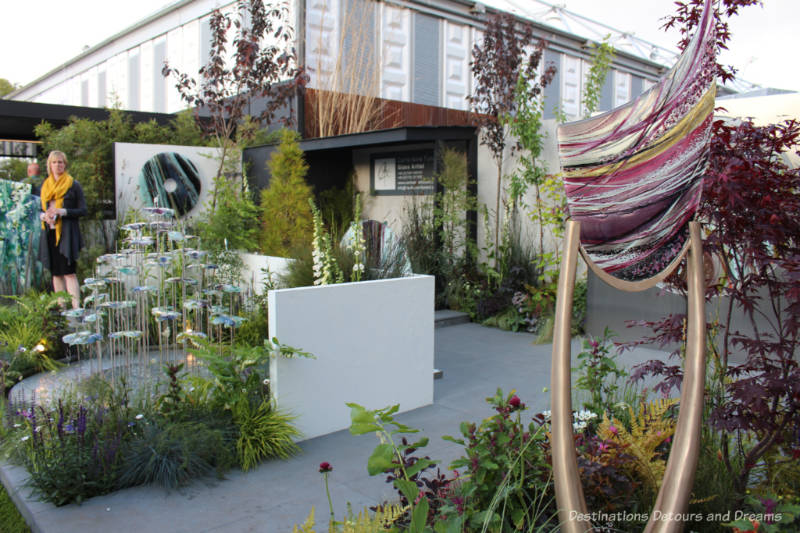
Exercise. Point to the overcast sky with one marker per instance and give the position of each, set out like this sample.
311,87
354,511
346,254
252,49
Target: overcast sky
36,36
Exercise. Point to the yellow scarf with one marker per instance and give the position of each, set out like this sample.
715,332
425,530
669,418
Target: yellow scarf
55,190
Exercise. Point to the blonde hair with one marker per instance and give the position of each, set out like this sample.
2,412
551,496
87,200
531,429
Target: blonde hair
54,154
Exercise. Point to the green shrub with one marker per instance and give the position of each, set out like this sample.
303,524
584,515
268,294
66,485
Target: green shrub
172,453
337,207
30,335
264,432
284,206
232,222
507,483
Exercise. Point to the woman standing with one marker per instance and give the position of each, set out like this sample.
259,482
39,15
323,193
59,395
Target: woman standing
62,204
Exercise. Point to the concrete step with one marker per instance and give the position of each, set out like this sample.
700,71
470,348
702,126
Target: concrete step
448,317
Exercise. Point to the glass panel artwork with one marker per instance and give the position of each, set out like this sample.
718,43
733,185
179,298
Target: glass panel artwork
19,237
170,180
633,175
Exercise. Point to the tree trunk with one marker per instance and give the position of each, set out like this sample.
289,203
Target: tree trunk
497,216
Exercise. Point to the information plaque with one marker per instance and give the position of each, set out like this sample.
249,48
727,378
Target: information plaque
403,173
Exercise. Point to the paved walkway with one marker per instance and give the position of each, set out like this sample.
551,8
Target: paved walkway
272,498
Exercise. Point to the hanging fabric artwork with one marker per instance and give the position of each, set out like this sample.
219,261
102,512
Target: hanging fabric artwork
633,175
19,237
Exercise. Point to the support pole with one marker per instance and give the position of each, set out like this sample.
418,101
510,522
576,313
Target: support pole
673,498
572,514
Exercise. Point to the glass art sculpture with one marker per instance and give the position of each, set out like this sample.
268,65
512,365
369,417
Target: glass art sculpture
633,179
633,175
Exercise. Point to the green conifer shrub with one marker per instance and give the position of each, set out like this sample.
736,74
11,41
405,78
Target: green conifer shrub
285,211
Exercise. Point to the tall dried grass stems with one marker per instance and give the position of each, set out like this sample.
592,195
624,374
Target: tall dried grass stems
347,97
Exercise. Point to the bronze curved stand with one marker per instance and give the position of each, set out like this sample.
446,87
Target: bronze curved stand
673,497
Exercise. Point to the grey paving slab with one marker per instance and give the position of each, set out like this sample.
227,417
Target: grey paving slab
278,494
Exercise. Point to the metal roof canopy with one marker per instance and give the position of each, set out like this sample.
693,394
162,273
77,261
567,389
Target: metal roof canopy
328,157
18,119
340,147
407,134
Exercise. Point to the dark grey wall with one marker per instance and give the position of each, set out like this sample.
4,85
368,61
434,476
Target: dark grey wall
552,93
326,168
637,86
607,95
606,306
609,307
427,73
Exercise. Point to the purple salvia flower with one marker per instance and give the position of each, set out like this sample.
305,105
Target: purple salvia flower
60,425
80,425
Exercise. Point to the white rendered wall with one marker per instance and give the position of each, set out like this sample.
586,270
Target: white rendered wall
257,268
373,343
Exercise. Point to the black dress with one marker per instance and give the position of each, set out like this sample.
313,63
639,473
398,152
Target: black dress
62,259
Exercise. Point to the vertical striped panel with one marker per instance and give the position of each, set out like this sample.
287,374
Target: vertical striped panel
607,94
426,60
636,86
552,93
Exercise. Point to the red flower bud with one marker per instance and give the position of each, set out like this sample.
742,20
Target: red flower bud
325,467
514,402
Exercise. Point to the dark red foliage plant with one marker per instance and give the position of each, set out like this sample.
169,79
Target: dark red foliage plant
264,69
751,215
509,49
688,15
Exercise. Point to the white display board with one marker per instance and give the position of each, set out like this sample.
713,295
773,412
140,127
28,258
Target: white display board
373,343
130,160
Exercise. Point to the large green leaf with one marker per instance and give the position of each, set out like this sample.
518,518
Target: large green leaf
408,488
361,420
381,459
419,517
419,466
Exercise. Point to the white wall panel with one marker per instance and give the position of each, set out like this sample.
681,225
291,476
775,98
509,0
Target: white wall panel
456,50
477,38
373,343
322,40
622,88
146,76
571,78
175,60
396,53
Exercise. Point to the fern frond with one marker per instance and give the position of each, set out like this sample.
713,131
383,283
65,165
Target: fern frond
649,429
382,520
308,525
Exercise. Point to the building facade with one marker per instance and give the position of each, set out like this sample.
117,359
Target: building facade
406,50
